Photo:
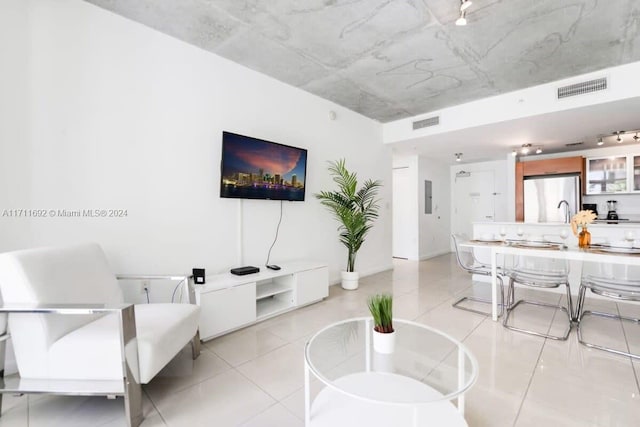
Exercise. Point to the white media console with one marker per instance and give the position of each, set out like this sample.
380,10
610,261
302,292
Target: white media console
228,302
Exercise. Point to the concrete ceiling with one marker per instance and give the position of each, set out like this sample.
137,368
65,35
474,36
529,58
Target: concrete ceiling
391,59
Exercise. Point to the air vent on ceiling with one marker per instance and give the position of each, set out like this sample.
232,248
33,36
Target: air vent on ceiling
431,121
582,88
574,144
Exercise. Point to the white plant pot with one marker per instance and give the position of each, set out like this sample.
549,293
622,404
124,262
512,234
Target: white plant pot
384,343
350,280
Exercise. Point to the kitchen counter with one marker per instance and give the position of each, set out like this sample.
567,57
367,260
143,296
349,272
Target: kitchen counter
600,232
598,224
619,221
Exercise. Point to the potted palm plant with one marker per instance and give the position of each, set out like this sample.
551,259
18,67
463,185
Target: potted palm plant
381,308
355,209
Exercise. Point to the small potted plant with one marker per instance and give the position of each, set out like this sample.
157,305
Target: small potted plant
381,308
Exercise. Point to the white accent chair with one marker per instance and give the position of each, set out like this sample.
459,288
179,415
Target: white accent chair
73,333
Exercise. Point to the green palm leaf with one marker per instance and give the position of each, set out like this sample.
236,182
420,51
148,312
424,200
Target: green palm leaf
355,209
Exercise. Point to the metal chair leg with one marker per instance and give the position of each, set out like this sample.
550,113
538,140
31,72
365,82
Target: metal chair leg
195,345
481,300
601,347
131,377
3,347
581,314
511,307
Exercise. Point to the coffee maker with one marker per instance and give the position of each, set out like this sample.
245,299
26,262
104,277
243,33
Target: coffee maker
593,207
611,207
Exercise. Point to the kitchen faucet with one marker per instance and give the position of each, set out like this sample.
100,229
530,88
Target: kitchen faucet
567,213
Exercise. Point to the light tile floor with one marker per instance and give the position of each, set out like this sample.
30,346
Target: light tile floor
254,377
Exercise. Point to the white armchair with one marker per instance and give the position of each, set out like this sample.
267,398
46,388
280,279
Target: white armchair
72,331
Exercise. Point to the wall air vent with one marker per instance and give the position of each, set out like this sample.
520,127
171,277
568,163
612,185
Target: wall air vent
424,123
574,144
582,88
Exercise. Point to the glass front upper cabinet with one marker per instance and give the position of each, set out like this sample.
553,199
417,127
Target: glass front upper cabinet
609,175
636,172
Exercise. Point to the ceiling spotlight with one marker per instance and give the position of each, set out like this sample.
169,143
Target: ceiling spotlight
538,150
636,138
464,4
600,141
514,153
525,148
619,134
458,157
462,20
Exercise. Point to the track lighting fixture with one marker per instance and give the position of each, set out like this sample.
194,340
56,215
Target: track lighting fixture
619,136
464,4
525,148
600,141
458,157
635,137
538,150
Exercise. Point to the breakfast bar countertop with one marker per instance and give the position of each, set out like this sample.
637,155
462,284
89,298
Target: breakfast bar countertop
598,224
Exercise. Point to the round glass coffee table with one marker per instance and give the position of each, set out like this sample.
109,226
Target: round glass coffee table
412,386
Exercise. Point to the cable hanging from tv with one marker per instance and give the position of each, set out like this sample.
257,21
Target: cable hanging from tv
274,267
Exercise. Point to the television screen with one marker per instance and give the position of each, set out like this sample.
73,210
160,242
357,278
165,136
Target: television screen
257,169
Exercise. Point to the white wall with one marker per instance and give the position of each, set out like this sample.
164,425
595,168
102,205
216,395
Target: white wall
14,176
123,117
430,236
434,228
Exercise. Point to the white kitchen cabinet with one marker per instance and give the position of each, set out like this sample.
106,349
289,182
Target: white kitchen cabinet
635,172
607,175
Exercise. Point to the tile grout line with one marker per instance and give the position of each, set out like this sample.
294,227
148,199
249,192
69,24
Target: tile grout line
535,366
144,390
626,340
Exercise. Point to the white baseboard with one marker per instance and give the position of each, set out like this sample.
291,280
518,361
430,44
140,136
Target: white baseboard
434,254
365,273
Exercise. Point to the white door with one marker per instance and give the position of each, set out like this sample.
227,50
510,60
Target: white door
402,239
473,196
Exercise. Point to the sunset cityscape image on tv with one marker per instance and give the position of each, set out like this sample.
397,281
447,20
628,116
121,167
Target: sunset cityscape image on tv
257,169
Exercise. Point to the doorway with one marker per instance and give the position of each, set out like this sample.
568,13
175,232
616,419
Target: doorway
401,210
473,200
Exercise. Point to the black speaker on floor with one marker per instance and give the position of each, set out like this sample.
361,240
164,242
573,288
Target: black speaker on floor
198,276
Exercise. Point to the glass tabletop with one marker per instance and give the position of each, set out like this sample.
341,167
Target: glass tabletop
425,366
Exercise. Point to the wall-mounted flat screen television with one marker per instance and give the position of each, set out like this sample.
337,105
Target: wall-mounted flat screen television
256,169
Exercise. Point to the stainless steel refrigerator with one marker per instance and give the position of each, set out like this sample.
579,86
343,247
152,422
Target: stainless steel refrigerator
543,194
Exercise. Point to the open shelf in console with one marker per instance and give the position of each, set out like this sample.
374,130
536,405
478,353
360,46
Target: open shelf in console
274,295
272,305
266,290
